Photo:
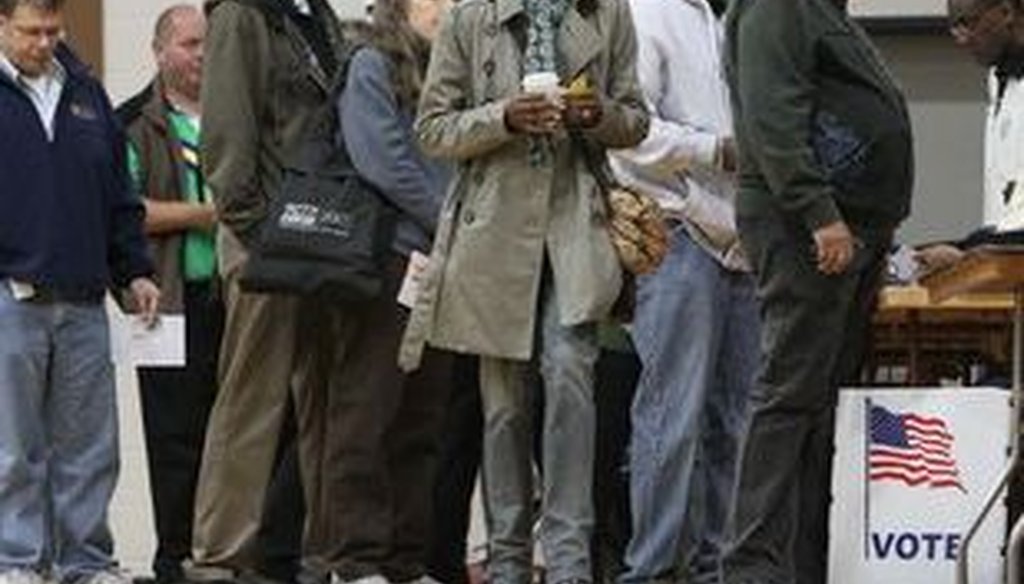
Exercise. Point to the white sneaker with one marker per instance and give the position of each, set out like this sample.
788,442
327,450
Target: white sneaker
110,576
19,576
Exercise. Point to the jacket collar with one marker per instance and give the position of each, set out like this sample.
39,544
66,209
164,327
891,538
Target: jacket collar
76,69
155,110
509,9
579,40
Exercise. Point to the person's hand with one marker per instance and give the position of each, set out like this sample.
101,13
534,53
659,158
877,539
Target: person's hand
937,257
146,297
533,113
583,109
834,247
726,154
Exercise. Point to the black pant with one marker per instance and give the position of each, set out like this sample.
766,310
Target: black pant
279,540
371,469
461,449
615,384
176,403
813,337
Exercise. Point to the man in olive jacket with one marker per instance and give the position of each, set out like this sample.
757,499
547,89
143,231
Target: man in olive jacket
522,252
825,177
267,68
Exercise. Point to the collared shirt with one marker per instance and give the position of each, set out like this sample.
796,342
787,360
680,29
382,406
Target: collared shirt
44,90
679,66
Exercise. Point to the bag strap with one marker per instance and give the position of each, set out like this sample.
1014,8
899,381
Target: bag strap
595,161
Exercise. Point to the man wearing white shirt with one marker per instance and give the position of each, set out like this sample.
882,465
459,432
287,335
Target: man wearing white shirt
696,325
993,32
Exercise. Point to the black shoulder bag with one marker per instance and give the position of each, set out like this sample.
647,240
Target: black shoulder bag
328,231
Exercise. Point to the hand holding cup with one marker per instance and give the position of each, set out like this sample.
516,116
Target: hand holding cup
538,109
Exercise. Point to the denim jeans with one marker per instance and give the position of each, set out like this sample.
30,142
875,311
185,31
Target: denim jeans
696,333
58,437
567,359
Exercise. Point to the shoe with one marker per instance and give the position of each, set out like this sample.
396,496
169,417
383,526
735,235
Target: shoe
109,576
374,579
19,576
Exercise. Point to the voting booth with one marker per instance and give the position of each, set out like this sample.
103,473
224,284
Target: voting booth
912,468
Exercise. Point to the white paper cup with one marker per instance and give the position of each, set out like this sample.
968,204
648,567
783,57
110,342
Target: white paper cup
545,82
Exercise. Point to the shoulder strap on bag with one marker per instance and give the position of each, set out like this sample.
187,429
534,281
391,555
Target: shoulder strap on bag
595,160
271,9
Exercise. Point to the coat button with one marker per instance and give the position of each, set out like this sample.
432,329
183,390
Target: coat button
491,29
489,67
469,217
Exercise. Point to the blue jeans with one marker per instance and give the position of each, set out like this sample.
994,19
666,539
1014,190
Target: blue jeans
58,437
696,333
567,359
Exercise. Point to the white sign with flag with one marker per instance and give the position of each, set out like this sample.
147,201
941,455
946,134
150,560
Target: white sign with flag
912,470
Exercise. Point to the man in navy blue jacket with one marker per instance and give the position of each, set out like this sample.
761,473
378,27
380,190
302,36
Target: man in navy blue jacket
70,227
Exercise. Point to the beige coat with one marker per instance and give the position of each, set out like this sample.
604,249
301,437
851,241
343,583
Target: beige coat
502,214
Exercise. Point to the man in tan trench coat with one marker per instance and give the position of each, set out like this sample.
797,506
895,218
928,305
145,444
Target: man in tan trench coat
522,253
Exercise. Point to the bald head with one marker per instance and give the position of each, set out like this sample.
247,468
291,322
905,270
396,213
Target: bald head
170,19
178,47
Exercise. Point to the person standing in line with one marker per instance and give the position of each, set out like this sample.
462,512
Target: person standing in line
268,67
162,123
70,228
523,264
382,427
825,177
992,31
696,323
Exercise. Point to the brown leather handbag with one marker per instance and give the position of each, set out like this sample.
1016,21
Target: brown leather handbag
635,221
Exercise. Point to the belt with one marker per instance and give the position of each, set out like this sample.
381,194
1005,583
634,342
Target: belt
49,295
41,294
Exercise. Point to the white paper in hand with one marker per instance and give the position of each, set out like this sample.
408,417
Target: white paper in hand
162,345
411,284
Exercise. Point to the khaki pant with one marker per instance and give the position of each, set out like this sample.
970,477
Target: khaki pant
255,373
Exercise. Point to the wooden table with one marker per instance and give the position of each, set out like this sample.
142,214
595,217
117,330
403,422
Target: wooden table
927,339
992,270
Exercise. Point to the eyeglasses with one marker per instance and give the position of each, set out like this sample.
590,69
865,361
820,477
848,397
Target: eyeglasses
966,23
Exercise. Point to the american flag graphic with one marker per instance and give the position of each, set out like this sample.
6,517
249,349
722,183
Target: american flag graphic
911,449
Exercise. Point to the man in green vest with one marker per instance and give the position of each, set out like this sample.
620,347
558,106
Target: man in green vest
163,129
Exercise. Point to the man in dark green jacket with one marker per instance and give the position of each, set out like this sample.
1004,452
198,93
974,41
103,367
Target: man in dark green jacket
267,67
825,177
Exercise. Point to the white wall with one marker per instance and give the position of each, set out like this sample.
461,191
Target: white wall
946,93
127,29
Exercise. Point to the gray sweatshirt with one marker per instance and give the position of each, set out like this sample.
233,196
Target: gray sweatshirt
379,137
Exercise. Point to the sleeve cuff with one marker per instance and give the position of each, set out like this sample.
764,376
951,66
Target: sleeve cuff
823,212
707,150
